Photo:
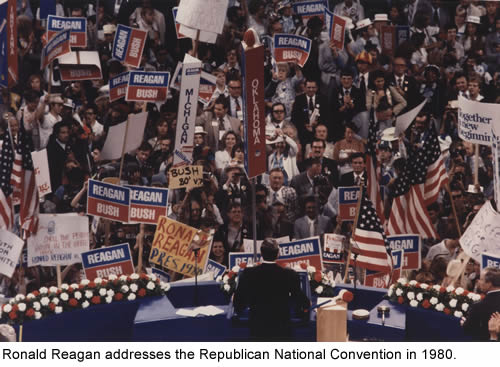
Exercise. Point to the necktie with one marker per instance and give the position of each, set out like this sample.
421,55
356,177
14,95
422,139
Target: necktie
221,124
400,82
362,85
275,196
436,18
358,180
311,104
346,92
238,108
311,228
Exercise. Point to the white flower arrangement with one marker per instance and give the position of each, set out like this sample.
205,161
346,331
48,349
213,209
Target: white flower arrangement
420,297
22,307
227,287
413,283
89,294
399,292
102,292
436,287
112,277
450,288
424,286
85,304
131,297
44,290
58,309
319,289
410,295
439,307
55,301
413,303
458,314
44,301
19,297
64,286
85,282
30,296
459,291
124,288
123,278
236,269
218,279
38,315
134,276
78,295
134,287
109,299
98,280
433,301
64,296
311,269
403,281
7,308
150,285
453,303
465,307
53,290
110,293
37,306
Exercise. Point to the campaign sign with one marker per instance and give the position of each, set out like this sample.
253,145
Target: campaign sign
108,201
489,261
207,87
147,86
410,243
402,34
177,24
10,249
147,204
306,251
383,280
388,39
348,201
215,268
78,27
333,248
118,86
476,120
291,48
128,45
162,275
185,176
309,9
104,261
236,258
57,46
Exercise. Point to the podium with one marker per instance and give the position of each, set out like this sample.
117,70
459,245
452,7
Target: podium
331,323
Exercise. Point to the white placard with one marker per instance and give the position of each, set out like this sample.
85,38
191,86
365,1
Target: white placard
114,141
42,173
248,244
476,120
10,249
204,36
405,120
483,234
202,14
60,240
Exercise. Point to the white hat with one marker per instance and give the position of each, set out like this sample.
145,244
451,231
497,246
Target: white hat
381,18
363,23
389,134
108,28
199,130
68,102
473,19
445,143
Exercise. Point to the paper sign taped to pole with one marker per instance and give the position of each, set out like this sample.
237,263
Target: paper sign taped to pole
112,148
78,27
483,234
60,240
204,15
10,250
291,48
476,120
185,176
42,173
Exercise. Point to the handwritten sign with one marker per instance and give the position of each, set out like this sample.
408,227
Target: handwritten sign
490,261
170,248
333,248
78,27
128,45
147,86
108,201
185,176
411,244
147,204
236,258
60,240
104,261
306,251
118,86
57,46
291,48
42,173
348,200
10,249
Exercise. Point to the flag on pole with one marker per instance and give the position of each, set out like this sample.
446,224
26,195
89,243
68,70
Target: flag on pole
416,188
6,163
374,249
373,172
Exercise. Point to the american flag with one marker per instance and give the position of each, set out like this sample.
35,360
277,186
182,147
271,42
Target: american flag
416,188
374,250
373,186
6,163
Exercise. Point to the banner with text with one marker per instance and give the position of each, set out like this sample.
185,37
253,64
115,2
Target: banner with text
254,125
78,27
475,120
306,251
57,46
309,9
104,261
147,204
147,86
236,258
108,201
171,247
118,86
333,248
9,67
291,48
60,240
42,173
411,245
128,45
10,250
185,176
490,261
188,102
348,201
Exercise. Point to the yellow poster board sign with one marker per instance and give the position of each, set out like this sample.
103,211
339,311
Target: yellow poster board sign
185,176
172,247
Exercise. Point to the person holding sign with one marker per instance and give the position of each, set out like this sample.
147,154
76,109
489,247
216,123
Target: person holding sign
282,87
267,290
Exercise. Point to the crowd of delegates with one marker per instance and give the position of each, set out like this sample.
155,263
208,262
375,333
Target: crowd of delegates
317,119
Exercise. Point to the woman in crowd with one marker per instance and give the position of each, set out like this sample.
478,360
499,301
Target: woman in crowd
378,87
344,148
223,156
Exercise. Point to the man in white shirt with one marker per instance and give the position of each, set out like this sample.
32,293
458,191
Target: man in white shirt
50,119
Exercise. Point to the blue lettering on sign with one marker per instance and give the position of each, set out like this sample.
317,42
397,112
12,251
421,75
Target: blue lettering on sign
300,248
109,192
408,243
106,256
143,195
216,268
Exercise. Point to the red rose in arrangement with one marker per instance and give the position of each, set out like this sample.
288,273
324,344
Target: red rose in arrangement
401,300
442,290
243,265
96,300
447,311
30,312
142,292
52,306
143,276
426,304
70,290
36,293
231,274
466,292
12,315
15,308
91,285
73,302
318,276
118,297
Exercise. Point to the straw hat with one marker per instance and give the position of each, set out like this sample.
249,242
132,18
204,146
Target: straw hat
363,23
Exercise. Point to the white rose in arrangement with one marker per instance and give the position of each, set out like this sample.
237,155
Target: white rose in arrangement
112,277
37,306
124,288
152,277
236,268
55,300
20,297
30,296
22,307
64,296
403,281
476,297
436,287
74,286
319,289
7,308
433,301
218,279
123,277
459,291
131,296
150,286
453,303
110,293
53,289
399,292
58,309
98,280
134,276
439,307
78,295
64,286
165,286
134,287
424,286
227,287
89,294
38,315
45,301
420,297
390,291
85,304
85,282
43,290
450,288
225,279
102,292
458,314
411,295
413,303
413,283
109,299
465,307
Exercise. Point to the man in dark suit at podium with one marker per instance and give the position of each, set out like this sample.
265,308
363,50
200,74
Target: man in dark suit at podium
268,290
358,173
